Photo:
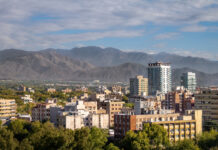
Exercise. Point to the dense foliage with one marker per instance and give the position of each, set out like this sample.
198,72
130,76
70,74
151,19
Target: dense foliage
23,135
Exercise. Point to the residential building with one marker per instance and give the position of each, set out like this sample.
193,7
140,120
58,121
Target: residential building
146,105
91,106
70,120
188,80
51,101
207,100
51,90
72,99
84,96
27,99
41,111
22,88
116,89
179,101
82,88
98,97
31,90
159,78
112,107
54,114
8,108
139,86
26,117
98,120
178,126
67,90
79,114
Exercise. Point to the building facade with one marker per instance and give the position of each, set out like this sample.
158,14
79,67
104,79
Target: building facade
7,108
159,78
179,101
112,107
188,80
41,112
139,86
207,100
177,126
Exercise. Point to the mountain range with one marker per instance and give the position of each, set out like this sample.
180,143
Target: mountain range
91,63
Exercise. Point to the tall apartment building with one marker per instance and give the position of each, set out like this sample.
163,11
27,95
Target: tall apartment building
178,126
112,107
179,101
159,78
207,100
7,108
188,80
139,86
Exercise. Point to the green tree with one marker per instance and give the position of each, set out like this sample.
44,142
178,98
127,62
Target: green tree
125,98
130,105
111,146
48,137
19,128
186,144
90,139
7,141
25,145
135,141
157,135
208,140
151,137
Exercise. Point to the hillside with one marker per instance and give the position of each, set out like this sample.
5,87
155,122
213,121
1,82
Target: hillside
23,65
51,65
111,57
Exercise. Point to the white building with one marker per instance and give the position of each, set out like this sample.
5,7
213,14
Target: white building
27,99
98,120
159,78
76,115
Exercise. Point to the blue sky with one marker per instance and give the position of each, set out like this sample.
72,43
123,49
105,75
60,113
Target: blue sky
184,27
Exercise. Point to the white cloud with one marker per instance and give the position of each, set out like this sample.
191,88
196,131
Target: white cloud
164,36
21,26
194,28
201,54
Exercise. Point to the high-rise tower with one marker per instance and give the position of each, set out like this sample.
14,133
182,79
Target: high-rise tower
159,78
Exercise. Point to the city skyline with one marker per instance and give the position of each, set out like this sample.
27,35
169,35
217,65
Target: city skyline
182,27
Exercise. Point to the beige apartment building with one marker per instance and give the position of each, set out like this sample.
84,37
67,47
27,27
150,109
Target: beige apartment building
178,126
112,107
91,106
7,108
51,90
139,86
